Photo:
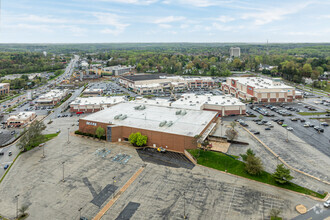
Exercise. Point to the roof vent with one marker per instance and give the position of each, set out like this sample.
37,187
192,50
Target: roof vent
162,123
118,116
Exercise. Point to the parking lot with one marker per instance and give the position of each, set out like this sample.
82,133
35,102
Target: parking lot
309,134
92,174
269,160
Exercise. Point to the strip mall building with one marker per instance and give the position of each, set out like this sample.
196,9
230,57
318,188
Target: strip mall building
168,127
260,89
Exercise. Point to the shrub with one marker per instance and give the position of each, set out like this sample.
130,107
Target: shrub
137,139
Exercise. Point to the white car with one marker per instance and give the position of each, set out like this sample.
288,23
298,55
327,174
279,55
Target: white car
290,128
327,204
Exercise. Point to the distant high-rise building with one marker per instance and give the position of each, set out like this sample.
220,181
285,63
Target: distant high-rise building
235,52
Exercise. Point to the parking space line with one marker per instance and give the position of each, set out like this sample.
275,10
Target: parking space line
116,197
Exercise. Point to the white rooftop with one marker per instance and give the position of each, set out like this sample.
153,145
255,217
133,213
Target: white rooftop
193,101
98,100
261,83
21,116
155,118
55,93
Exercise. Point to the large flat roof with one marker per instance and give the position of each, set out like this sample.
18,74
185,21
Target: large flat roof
143,77
98,100
261,83
178,121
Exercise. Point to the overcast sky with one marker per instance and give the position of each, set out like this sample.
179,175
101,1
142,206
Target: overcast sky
97,21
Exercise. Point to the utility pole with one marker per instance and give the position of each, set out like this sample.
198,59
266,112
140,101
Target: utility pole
43,151
221,128
17,205
63,171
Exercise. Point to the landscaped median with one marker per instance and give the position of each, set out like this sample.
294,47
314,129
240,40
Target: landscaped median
312,113
228,164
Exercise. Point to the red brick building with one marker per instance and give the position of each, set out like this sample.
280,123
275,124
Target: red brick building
168,127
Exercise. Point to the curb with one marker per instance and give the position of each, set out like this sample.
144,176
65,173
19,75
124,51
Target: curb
289,166
276,187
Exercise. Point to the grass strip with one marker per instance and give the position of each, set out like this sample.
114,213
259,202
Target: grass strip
223,162
312,113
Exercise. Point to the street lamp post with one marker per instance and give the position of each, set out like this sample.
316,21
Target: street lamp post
184,205
63,171
68,135
80,213
114,189
17,205
221,128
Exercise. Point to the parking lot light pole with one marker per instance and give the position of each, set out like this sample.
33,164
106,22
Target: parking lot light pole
17,205
114,189
63,171
184,205
68,135
80,213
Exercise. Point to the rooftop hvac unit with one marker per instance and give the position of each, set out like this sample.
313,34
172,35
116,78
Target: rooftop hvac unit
197,101
123,117
190,101
137,107
178,112
184,112
216,103
162,123
118,116
170,123
228,100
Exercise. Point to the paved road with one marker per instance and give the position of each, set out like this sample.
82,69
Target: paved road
318,212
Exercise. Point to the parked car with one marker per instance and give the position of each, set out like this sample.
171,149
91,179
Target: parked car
10,153
327,204
267,129
284,125
324,124
6,166
12,132
290,128
256,132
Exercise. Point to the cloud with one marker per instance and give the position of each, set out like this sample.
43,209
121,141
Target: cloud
222,27
204,3
225,19
165,25
265,16
135,2
113,20
168,19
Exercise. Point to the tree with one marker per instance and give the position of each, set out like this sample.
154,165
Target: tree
32,135
261,117
137,139
282,175
248,152
253,165
99,132
141,140
307,70
23,210
274,213
233,125
231,134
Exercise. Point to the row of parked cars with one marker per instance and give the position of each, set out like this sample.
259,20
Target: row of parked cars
64,115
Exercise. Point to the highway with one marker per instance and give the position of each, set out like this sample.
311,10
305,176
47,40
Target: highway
6,159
